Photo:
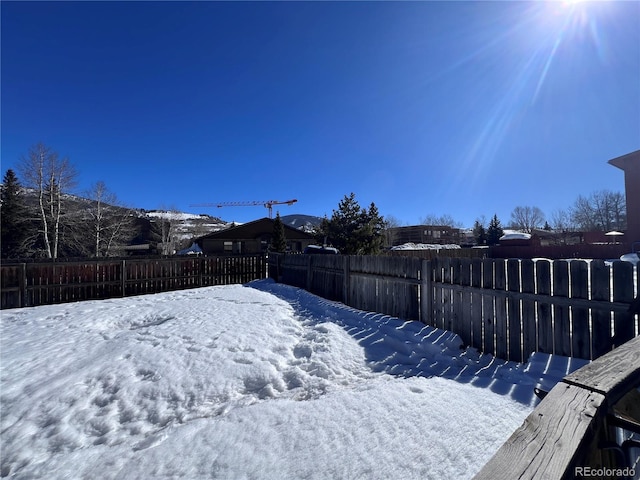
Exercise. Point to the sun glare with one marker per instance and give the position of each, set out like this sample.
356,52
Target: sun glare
569,22
570,3
555,37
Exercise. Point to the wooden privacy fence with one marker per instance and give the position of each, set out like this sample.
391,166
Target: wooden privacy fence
509,308
430,254
33,284
382,284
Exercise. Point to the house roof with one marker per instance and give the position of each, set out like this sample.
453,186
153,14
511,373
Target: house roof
256,229
625,161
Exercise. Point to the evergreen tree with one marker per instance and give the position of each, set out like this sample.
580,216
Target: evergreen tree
479,233
13,217
547,227
494,231
371,232
344,223
354,230
321,232
278,238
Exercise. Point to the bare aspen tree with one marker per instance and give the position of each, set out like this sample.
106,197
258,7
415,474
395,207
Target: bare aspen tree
51,177
445,220
391,223
169,220
527,218
602,210
111,223
561,220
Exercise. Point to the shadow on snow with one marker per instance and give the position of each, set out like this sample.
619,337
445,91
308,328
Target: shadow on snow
410,348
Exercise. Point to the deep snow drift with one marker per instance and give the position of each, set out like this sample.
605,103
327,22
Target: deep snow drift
261,381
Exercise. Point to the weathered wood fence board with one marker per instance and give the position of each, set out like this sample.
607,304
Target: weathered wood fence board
529,324
500,272
386,285
32,284
509,308
476,301
557,307
327,276
561,329
581,335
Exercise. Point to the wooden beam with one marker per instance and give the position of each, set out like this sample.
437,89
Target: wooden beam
542,298
551,438
613,374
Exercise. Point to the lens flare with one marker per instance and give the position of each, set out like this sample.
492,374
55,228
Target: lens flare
555,38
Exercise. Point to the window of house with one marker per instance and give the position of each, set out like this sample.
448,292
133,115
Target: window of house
228,246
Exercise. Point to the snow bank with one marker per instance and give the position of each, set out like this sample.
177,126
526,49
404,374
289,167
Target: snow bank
515,236
174,215
424,246
239,382
631,257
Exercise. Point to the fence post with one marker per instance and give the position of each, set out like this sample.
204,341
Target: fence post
123,277
265,266
425,292
346,282
309,272
23,285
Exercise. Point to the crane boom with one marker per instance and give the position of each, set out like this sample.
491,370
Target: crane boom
266,203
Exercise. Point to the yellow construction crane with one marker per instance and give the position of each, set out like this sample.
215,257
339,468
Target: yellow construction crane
266,203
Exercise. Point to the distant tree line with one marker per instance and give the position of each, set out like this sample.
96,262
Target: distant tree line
601,211
52,223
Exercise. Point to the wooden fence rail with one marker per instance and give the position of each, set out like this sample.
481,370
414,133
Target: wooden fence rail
509,308
33,284
587,426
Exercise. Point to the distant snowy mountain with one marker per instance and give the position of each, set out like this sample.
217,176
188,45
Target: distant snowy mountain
306,223
184,226
187,225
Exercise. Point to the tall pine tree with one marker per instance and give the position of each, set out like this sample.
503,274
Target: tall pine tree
371,232
479,233
494,231
13,218
278,238
354,230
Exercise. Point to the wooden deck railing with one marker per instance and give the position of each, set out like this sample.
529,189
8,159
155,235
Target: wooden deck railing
587,426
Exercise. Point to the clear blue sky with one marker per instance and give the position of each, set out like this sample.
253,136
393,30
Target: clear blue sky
459,108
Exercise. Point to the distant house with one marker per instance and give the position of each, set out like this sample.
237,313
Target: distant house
432,234
630,164
597,237
140,249
250,238
194,249
553,237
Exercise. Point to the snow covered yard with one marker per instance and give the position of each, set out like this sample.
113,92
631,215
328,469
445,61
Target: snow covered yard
263,381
